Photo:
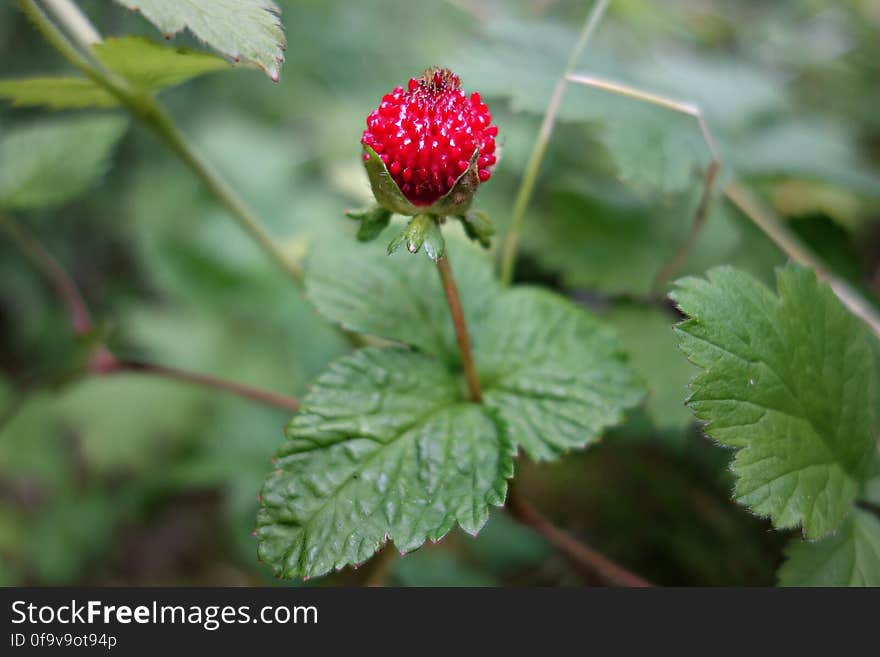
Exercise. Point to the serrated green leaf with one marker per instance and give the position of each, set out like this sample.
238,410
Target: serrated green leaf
550,370
56,93
788,380
50,161
249,30
849,557
151,65
383,448
554,374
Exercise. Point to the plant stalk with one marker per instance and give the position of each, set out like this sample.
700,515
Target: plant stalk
242,390
145,108
583,557
530,175
461,332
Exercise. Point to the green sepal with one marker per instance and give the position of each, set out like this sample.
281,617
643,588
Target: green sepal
478,226
417,230
435,245
373,221
398,239
386,191
423,229
456,201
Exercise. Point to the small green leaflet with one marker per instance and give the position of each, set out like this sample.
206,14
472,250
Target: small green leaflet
383,448
789,381
246,30
145,64
849,557
150,65
56,93
51,161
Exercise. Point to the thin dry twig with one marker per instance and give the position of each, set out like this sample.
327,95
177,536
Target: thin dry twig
690,109
749,204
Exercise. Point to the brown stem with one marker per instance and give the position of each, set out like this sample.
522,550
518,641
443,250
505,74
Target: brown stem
80,319
205,380
696,225
791,245
583,557
461,333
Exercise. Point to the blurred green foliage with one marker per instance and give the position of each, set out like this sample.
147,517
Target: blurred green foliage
135,480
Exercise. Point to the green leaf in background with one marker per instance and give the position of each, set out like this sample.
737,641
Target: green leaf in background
116,421
373,221
647,336
383,448
554,374
246,30
51,161
151,65
56,93
789,382
617,242
849,557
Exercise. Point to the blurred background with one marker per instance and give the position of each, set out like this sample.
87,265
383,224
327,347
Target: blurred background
136,480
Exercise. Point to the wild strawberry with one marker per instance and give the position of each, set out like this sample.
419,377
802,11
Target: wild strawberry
427,135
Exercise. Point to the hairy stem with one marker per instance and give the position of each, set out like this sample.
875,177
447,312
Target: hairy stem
145,108
583,557
530,175
461,332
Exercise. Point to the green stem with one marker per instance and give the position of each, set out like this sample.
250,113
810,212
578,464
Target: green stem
530,175
152,114
461,332
167,131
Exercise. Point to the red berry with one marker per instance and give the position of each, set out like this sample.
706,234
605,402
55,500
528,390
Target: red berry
427,135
